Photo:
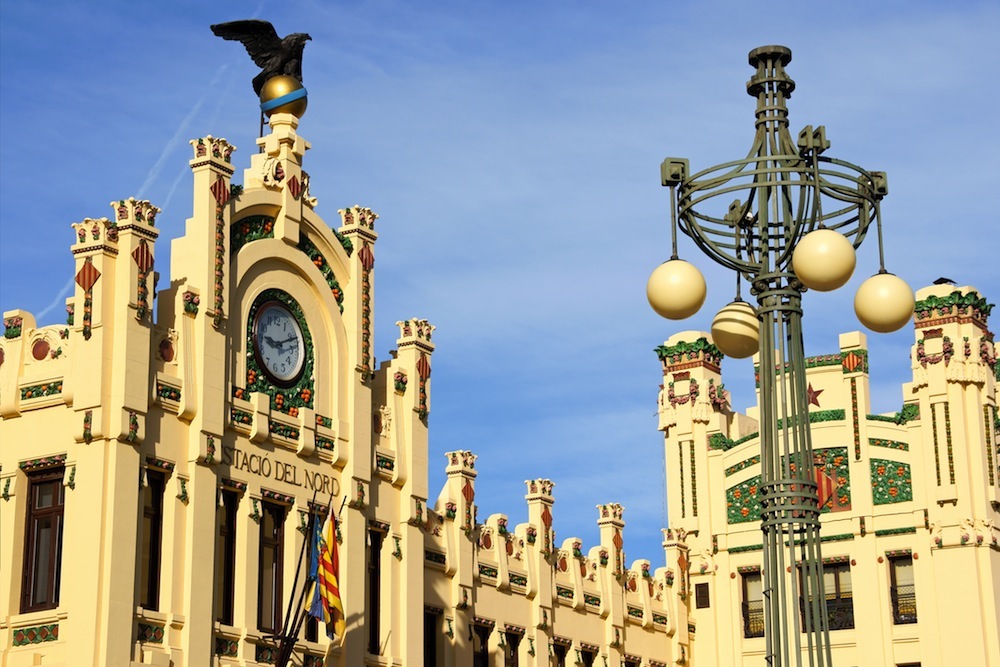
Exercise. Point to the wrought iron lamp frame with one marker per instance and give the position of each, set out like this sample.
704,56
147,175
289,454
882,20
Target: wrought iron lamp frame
789,189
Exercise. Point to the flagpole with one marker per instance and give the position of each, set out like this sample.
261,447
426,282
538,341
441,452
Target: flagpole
283,637
289,635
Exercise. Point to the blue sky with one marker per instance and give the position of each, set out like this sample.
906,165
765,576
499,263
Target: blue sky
512,151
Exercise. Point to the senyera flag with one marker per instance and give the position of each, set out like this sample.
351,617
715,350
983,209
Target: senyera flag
324,571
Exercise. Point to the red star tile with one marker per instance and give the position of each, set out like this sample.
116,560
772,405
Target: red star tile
814,395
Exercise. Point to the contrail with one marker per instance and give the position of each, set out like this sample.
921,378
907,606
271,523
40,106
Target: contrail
58,301
154,172
220,101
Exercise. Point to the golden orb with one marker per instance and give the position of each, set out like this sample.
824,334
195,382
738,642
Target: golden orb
676,289
884,303
736,330
823,260
282,86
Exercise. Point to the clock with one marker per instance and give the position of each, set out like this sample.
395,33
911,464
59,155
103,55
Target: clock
278,343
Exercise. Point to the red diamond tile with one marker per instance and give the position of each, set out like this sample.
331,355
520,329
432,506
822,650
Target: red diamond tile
424,367
220,191
366,257
87,276
143,257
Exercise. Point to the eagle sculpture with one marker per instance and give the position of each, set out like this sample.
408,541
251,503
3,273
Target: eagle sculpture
269,52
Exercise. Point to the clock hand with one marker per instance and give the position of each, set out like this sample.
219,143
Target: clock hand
271,341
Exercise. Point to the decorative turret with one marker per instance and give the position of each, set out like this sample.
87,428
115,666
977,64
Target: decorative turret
414,356
611,523
954,387
460,493
357,235
692,402
541,541
114,262
202,254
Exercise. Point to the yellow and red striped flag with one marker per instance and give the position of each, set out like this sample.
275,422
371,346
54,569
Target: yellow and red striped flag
324,570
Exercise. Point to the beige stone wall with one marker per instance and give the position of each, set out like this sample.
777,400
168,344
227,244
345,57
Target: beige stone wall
138,385
921,482
116,393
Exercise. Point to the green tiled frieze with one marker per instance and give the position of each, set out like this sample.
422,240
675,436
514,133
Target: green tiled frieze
719,441
891,482
895,531
685,352
39,390
314,254
969,305
742,501
889,444
833,462
251,228
840,537
743,465
43,462
36,635
150,634
227,648
906,414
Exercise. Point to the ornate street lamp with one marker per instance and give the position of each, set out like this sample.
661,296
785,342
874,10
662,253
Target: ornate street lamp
785,218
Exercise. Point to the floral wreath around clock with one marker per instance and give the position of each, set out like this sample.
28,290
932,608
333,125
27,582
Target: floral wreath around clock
298,391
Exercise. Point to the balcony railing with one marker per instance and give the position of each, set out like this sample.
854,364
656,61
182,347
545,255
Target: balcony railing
753,619
904,604
839,613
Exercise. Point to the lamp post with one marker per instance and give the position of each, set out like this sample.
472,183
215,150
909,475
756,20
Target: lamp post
785,218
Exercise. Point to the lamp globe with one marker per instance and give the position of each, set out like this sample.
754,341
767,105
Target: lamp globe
823,260
676,289
884,303
736,330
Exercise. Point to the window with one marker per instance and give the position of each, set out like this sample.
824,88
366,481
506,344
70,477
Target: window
152,536
701,600
559,650
312,629
589,657
839,596
753,605
510,656
225,556
632,661
272,522
432,631
901,590
43,540
374,589
481,647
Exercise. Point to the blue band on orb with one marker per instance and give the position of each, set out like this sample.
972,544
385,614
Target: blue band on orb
284,99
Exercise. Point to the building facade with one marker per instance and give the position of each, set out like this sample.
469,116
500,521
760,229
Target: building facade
910,500
158,475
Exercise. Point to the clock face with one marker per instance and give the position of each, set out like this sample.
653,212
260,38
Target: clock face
278,343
